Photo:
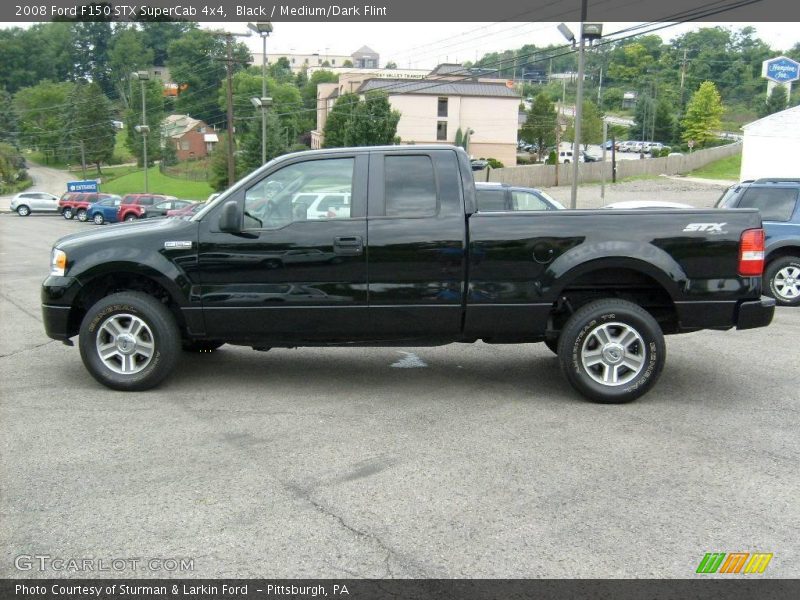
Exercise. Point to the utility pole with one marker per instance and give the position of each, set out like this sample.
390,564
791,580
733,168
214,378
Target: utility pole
576,144
83,160
600,91
603,170
558,141
229,60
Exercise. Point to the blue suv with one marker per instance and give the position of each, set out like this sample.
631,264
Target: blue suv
777,199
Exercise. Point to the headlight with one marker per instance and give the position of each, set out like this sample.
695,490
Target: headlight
58,262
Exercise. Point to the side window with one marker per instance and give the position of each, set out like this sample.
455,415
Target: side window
410,186
164,205
491,200
527,201
775,204
146,201
295,192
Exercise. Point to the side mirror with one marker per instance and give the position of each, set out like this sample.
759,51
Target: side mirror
230,220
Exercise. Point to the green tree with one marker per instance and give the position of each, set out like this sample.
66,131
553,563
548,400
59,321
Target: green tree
218,178
281,70
127,54
540,126
338,119
194,61
158,35
250,156
42,118
777,101
8,119
703,114
591,125
664,122
643,117
12,167
89,124
372,122
92,43
390,65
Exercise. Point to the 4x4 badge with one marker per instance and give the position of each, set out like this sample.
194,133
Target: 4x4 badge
178,244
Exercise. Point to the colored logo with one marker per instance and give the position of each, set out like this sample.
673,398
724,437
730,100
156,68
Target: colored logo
781,69
734,562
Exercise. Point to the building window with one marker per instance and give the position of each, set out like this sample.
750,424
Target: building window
184,144
441,131
333,61
442,107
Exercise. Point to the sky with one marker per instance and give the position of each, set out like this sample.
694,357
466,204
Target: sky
424,45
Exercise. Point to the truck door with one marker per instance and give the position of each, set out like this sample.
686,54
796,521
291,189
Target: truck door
417,242
291,274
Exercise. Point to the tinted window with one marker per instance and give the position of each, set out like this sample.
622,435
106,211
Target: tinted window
527,201
146,201
775,204
286,195
410,186
491,200
726,200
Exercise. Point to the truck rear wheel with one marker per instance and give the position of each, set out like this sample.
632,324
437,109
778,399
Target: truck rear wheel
612,351
129,341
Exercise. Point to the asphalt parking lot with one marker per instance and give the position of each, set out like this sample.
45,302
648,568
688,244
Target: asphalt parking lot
451,462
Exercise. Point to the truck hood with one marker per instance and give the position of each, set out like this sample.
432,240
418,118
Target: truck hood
129,232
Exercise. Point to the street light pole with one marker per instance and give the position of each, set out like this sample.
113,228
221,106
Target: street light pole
143,76
263,29
576,144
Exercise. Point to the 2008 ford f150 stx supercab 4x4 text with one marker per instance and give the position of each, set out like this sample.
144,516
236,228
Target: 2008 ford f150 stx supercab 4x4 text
385,246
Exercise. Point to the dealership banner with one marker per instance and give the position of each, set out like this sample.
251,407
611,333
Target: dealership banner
399,589
742,11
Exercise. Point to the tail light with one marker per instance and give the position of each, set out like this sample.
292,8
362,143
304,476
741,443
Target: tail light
751,253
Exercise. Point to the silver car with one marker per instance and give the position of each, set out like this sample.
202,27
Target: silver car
25,203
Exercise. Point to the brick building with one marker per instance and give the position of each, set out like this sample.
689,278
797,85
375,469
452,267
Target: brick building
190,137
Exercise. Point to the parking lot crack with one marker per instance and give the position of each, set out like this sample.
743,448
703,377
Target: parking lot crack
364,535
21,308
27,349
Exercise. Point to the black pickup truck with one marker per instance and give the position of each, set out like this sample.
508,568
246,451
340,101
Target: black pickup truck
385,246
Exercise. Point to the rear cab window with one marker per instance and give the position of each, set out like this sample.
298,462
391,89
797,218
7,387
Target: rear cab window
774,203
491,200
410,186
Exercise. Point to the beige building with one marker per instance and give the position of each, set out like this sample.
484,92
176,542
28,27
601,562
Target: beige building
363,58
435,108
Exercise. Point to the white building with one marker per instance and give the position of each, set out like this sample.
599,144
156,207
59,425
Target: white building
363,58
772,145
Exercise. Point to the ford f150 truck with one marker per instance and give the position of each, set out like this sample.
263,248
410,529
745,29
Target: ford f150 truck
408,260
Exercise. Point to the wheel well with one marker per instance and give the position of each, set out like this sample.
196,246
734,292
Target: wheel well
112,283
625,284
781,252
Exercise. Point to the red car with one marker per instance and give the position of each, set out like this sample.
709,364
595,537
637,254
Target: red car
135,206
75,204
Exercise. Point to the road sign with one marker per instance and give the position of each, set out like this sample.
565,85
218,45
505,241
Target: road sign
89,185
690,143
781,69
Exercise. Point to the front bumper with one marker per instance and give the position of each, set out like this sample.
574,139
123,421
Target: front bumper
58,294
755,313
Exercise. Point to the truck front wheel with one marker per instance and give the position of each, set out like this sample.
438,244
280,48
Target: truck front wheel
129,341
611,351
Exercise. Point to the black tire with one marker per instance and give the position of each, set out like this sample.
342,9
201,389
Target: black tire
98,218
82,215
200,345
67,213
581,336
23,211
782,280
161,331
131,218
552,344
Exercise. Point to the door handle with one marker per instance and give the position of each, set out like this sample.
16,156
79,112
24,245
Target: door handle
348,246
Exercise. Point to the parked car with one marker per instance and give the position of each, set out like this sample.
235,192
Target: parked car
586,157
77,204
644,204
415,264
104,211
504,197
186,211
627,146
479,164
26,203
137,206
160,209
323,206
655,147
777,200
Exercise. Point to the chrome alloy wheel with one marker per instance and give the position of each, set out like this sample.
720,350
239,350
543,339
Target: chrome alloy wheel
787,283
125,344
613,354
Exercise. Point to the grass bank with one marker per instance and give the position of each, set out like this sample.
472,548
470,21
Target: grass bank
158,183
726,168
